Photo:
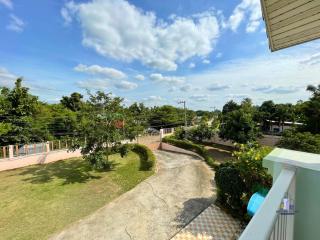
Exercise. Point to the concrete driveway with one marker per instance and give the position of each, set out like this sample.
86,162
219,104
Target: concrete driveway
155,209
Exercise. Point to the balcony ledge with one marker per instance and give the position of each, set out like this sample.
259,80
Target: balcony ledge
295,158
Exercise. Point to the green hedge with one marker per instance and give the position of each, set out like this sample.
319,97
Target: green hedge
187,145
300,141
147,157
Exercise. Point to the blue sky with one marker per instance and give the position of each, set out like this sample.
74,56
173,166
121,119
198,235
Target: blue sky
158,52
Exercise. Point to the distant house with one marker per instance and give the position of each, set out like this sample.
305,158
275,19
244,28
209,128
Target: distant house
276,128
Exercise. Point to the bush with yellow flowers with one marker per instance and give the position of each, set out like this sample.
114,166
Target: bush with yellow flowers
239,179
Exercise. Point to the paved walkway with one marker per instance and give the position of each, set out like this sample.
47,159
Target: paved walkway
156,209
211,224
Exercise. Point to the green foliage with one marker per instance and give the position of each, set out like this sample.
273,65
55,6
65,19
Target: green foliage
17,109
300,141
74,102
99,128
147,158
239,126
231,186
311,110
168,116
98,160
239,179
124,150
185,144
249,160
201,132
4,128
230,107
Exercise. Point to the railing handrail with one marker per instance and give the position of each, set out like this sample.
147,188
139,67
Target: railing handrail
262,223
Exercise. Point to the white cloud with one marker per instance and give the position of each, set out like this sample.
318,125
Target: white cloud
206,61
153,99
283,71
312,59
139,77
238,96
192,65
219,55
16,24
217,87
126,85
247,10
7,3
186,88
158,77
96,84
102,71
7,79
200,97
118,29
172,89
276,89
67,12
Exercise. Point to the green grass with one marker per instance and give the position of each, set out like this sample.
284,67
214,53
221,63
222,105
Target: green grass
40,200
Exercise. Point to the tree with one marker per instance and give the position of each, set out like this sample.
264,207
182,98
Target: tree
74,102
229,107
201,132
166,116
100,129
239,125
266,114
18,107
284,112
311,110
63,122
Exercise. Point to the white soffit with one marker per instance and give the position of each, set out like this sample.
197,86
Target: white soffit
291,22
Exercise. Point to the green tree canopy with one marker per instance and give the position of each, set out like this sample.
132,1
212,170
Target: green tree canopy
311,110
17,107
238,125
74,102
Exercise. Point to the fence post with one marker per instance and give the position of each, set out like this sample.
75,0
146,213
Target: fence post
4,152
10,151
161,134
17,151
47,146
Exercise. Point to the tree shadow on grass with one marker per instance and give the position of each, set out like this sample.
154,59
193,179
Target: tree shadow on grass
191,209
70,171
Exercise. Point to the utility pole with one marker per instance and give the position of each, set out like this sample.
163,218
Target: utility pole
185,112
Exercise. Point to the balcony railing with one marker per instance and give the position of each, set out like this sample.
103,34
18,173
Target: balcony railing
296,176
270,222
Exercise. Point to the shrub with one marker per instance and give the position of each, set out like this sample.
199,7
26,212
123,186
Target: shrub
231,186
201,132
147,158
185,144
98,160
124,150
179,133
238,180
299,141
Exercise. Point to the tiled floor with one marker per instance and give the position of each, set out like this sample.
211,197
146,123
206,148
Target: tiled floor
212,224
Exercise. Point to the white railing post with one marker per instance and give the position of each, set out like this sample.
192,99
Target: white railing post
290,220
161,134
11,151
47,146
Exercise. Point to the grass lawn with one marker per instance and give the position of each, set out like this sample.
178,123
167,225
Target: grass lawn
40,200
